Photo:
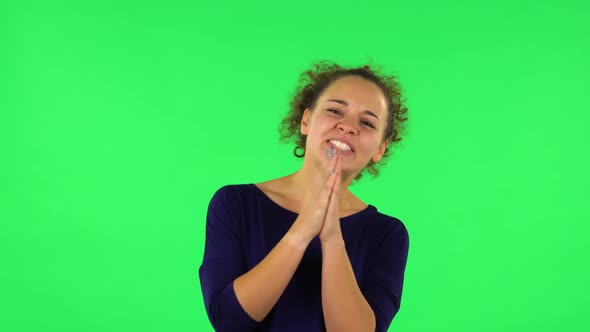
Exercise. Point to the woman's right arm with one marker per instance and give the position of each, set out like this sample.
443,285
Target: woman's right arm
259,289
237,299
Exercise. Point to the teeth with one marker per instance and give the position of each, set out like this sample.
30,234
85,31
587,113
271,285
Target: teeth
340,145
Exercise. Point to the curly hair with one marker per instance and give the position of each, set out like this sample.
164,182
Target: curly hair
315,81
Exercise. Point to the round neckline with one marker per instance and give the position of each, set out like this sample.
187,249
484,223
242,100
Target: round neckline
368,209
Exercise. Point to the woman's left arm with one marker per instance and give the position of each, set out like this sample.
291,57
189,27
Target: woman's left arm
371,306
345,308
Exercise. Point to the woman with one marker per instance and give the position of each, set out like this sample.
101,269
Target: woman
302,252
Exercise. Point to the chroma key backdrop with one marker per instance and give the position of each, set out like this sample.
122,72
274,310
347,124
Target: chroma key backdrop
120,119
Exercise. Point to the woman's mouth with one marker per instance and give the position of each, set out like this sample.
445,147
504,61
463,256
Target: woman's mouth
344,148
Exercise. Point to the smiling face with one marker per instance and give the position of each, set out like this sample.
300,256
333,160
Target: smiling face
352,110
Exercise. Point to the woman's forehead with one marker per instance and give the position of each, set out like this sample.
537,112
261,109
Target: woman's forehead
356,91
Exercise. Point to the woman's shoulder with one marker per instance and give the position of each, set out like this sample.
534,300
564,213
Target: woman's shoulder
247,191
230,189
273,186
390,225
232,200
234,195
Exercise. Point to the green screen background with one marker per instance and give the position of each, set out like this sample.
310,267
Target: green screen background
119,120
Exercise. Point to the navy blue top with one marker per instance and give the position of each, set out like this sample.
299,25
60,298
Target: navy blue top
244,225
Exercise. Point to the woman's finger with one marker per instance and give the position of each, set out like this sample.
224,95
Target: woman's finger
336,170
328,181
333,161
335,185
332,202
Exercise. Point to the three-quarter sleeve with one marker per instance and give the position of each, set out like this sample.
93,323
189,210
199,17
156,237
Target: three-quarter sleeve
223,262
382,286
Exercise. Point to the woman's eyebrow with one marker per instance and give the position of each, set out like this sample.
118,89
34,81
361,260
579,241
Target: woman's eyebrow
343,102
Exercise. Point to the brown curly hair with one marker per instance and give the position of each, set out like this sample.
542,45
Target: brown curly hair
312,84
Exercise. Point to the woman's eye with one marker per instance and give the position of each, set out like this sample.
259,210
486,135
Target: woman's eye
366,123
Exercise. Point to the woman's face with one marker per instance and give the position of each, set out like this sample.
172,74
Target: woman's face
352,110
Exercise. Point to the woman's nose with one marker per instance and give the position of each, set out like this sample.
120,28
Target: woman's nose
346,127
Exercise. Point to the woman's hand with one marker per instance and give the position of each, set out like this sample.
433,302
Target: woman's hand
315,205
331,226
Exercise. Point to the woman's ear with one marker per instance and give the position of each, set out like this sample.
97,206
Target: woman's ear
380,151
305,121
